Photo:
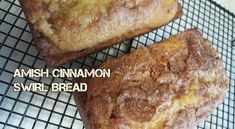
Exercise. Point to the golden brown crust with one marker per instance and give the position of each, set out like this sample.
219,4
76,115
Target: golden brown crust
171,85
55,56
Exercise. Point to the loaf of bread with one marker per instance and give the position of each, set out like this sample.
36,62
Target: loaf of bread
171,85
64,30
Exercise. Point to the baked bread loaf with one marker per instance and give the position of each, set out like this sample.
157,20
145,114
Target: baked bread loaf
171,85
64,30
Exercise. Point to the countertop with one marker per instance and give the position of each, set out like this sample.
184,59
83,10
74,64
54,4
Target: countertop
228,4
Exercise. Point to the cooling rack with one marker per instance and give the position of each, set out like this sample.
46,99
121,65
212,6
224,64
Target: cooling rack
54,110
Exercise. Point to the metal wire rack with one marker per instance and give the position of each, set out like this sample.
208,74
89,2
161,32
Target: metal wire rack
54,110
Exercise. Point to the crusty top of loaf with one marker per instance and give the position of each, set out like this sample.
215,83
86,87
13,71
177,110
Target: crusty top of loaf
73,25
171,85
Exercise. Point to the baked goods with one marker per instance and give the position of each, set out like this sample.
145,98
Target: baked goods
64,30
171,85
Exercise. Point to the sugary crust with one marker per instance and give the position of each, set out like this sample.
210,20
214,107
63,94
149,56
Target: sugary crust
171,85
53,55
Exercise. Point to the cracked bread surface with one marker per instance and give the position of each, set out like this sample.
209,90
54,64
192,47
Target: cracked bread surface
171,85
64,30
